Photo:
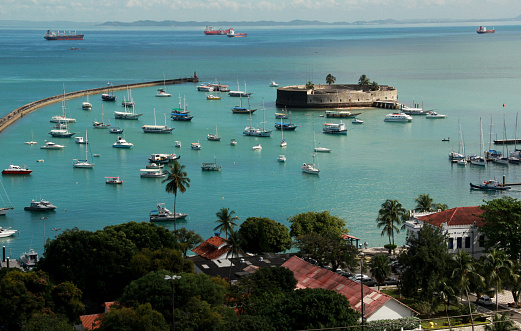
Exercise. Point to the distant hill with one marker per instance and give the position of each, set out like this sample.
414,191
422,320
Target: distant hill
297,22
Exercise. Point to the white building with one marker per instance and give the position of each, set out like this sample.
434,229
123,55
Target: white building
461,224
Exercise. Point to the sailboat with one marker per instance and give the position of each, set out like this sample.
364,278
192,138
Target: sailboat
157,128
63,117
310,168
61,131
110,95
461,161
5,208
283,142
83,163
239,93
495,155
129,101
162,92
455,156
479,160
516,153
243,110
214,136
32,142
252,131
100,125
86,105
127,115
286,126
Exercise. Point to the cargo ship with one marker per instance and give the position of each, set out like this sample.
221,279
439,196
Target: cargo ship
210,31
483,29
51,35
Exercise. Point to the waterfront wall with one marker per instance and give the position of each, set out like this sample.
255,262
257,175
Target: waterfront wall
35,105
333,96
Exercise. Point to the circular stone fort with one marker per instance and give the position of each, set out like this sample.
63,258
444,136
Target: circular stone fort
336,96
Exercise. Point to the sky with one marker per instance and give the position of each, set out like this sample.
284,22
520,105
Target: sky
254,10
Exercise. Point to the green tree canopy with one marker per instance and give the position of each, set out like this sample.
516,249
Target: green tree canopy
502,228
225,221
162,259
187,239
264,235
310,85
316,222
327,249
374,86
143,317
269,281
390,216
145,235
47,322
330,79
380,267
364,80
426,262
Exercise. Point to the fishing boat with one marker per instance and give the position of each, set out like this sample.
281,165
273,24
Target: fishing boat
63,117
311,168
340,114
213,97
110,95
434,115
161,158
285,126
128,101
152,173
483,29
397,117
86,105
7,206
232,34
281,158
16,170
157,128
51,145
243,110
83,163
181,113
218,87
7,232
81,140
490,185
122,143
195,146
101,125
57,35
42,205
163,214
213,166
29,259
334,128
162,92
128,114
239,93
214,136
113,180
115,129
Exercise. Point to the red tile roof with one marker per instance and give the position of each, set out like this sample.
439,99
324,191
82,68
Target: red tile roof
210,248
90,322
310,276
347,236
455,216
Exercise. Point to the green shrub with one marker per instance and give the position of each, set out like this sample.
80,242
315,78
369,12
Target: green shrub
407,323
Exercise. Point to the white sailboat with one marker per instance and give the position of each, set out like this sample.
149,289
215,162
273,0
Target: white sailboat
162,92
462,161
32,142
83,163
62,118
480,160
148,128
86,105
128,101
100,125
214,136
283,142
6,206
310,168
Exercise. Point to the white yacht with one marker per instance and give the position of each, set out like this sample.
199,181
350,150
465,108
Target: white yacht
122,143
434,115
6,232
42,205
397,117
163,214
51,145
152,173
196,146
334,128
281,158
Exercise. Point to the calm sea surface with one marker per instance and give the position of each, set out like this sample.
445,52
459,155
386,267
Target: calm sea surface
450,68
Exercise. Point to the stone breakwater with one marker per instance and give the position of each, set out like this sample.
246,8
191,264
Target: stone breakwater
35,105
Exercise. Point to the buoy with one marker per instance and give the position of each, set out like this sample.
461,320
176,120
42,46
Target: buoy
503,105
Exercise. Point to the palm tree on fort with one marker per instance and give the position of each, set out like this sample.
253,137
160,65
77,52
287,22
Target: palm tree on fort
225,221
390,216
177,180
375,86
330,79
364,80
424,203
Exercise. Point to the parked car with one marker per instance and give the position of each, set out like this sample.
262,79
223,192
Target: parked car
366,280
390,281
485,300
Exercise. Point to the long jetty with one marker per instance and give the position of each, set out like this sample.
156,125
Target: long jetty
20,112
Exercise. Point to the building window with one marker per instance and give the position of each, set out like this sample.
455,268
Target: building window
467,242
459,242
481,241
451,243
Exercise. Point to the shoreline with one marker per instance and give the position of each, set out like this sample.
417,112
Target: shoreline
20,112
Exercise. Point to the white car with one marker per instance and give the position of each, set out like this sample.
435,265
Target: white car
485,301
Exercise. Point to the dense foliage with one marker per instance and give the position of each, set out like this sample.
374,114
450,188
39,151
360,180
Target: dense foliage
143,317
328,249
316,222
264,235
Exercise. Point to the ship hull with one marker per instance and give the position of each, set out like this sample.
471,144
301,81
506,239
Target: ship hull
74,37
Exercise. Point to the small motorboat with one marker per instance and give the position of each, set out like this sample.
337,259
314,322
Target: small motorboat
273,84
177,144
6,232
257,147
154,166
113,180
213,97
29,259
434,115
122,143
163,214
115,129
195,146
42,205
446,139
357,121
281,158
152,173
80,140
16,170
233,142
490,185
322,150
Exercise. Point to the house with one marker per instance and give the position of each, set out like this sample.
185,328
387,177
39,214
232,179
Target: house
214,248
461,224
376,305
92,321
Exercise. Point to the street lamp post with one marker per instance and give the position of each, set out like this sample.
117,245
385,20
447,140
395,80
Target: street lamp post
172,278
362,287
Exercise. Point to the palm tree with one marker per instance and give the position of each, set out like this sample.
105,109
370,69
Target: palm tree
177,180
375,86
423,203
498,267
234,248
330,79
500,323
390,216
380,268
463,274
364,80
446,294
310,85
225,221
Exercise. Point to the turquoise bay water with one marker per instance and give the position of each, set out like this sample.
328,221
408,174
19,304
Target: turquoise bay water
450,68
